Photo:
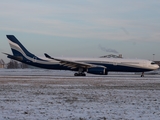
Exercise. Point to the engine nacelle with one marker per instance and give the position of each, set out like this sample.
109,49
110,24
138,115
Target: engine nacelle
97,70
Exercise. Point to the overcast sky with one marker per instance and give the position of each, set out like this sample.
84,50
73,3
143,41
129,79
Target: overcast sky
83,28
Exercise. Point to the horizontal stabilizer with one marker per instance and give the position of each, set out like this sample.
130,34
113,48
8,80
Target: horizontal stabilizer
5,53
18,58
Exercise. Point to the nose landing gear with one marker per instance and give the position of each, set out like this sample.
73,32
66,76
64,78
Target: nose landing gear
142,75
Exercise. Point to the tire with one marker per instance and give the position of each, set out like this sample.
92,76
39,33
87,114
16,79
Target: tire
75,74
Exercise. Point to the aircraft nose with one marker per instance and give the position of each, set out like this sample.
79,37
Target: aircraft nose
156,66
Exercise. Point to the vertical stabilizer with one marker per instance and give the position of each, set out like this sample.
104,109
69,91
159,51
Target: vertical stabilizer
17,48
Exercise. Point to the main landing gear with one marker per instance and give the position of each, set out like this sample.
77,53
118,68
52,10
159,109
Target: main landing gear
142,75
80,74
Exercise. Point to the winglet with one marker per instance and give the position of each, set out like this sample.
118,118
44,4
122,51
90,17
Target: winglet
47,56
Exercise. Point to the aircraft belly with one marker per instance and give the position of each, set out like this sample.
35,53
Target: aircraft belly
123,68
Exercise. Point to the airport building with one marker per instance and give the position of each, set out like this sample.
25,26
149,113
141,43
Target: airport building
112,56
157,62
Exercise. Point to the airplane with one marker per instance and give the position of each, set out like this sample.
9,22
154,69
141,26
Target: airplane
97,66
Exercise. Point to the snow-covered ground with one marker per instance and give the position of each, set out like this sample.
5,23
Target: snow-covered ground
57,95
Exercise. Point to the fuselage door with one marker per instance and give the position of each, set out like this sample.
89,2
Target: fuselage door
34,59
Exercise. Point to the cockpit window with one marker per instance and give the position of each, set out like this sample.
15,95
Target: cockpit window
153,63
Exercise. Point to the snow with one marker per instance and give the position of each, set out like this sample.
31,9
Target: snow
33,94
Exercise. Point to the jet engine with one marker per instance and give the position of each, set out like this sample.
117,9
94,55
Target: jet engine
97,70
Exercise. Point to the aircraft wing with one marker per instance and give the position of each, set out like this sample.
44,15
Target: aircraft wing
71,64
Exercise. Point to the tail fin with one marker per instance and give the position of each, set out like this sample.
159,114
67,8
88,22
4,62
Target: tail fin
17,48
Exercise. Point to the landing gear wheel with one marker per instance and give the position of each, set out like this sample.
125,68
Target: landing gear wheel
76,74
142,74
79,74
82,74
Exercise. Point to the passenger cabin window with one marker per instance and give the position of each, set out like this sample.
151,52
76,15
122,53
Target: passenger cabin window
153,63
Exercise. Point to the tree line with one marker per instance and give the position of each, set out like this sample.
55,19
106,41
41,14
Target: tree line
13,64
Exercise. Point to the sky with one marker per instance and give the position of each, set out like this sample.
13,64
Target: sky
83,28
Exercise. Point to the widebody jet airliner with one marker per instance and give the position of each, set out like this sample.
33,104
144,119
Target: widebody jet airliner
98,66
